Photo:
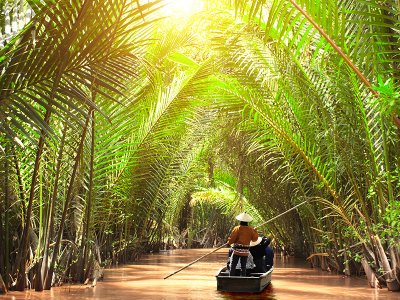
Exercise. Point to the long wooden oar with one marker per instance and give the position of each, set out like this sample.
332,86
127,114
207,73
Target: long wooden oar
220,247
195,261
285,212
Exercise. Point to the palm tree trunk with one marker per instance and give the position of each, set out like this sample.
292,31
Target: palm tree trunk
210,164
7,215
51,210
3,259
50,273
23,249
3,286
369,273
346,264
6,234
86,236
395,262
20,182
388,273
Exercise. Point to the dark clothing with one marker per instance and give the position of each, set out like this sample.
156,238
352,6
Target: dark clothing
263,257
257,251
235,260
269,258
260,265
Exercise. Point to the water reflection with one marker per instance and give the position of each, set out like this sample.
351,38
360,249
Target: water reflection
292,279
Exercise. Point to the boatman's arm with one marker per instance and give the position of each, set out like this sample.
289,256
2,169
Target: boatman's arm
234,235
254,236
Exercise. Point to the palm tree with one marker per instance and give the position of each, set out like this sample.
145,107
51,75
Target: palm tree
127,133
57,69
307,49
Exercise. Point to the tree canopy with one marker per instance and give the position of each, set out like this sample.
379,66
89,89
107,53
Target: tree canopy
134,126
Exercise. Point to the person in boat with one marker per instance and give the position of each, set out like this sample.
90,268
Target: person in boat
269,257
240,239
263,255
249,263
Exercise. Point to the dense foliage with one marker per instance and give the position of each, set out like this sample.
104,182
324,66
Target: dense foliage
123,130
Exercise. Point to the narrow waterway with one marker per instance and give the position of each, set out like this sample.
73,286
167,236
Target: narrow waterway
291,279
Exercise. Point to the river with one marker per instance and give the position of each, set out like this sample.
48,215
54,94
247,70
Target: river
291,279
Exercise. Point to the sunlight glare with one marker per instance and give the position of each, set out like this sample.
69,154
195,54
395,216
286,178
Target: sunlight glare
183,8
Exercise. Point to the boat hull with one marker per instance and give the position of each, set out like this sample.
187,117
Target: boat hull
253,283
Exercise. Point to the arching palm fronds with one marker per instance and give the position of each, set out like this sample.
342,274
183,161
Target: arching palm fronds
112,121
161,134
299,56
57,62
59,65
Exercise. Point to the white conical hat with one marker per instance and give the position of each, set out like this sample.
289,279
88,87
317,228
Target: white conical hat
244,217
252,244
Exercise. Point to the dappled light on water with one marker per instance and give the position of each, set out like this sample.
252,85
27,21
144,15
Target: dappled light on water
292,279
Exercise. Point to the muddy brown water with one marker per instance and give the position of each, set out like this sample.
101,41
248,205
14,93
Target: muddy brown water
291,279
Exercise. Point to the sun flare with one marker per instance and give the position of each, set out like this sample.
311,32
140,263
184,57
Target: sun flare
182,8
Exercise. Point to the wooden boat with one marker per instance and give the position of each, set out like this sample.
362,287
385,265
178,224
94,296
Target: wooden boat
252,283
